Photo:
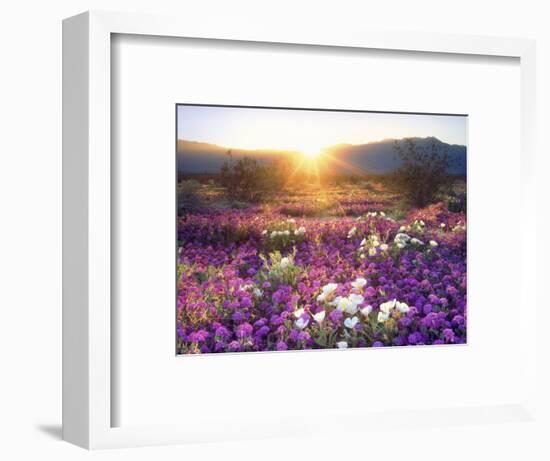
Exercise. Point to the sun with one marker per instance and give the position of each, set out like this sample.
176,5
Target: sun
311,152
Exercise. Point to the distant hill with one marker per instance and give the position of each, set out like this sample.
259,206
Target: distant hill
381,156
202,157
375,157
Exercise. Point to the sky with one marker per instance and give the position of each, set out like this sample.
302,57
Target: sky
309,130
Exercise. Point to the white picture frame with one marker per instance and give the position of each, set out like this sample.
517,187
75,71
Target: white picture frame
87,360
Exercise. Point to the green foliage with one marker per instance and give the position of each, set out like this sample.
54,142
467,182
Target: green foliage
238,205
423,173
283,235
280,269
456,202
189,197
399,211
326,338
321,207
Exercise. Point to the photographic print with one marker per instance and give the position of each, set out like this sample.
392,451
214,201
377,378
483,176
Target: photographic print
301,229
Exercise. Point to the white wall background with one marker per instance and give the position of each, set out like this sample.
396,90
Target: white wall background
30,226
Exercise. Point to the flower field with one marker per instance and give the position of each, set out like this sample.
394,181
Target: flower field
308,270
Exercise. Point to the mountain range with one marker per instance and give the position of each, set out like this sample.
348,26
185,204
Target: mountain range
378,157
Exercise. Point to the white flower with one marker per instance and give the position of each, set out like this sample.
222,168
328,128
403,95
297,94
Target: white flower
433,243
319,317
348,304
382,213
245,287
422,223
291,220
359,283
383,316
415,241
300,231
257,292
363,242
366,310
355,299
264,232
352,232
372,251
350,323
388,306
273,234
284,263
402,238
384,247
342,345
286,232
344,304
301,323
402,229
298,312
442,225
327,290
402,307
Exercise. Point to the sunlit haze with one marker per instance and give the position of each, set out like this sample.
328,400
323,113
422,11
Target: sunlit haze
309,131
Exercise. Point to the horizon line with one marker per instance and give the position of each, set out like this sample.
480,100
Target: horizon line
322,148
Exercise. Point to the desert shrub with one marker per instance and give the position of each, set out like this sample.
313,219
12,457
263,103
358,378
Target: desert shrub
278,173
247,179
189,197
456,202
424,172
